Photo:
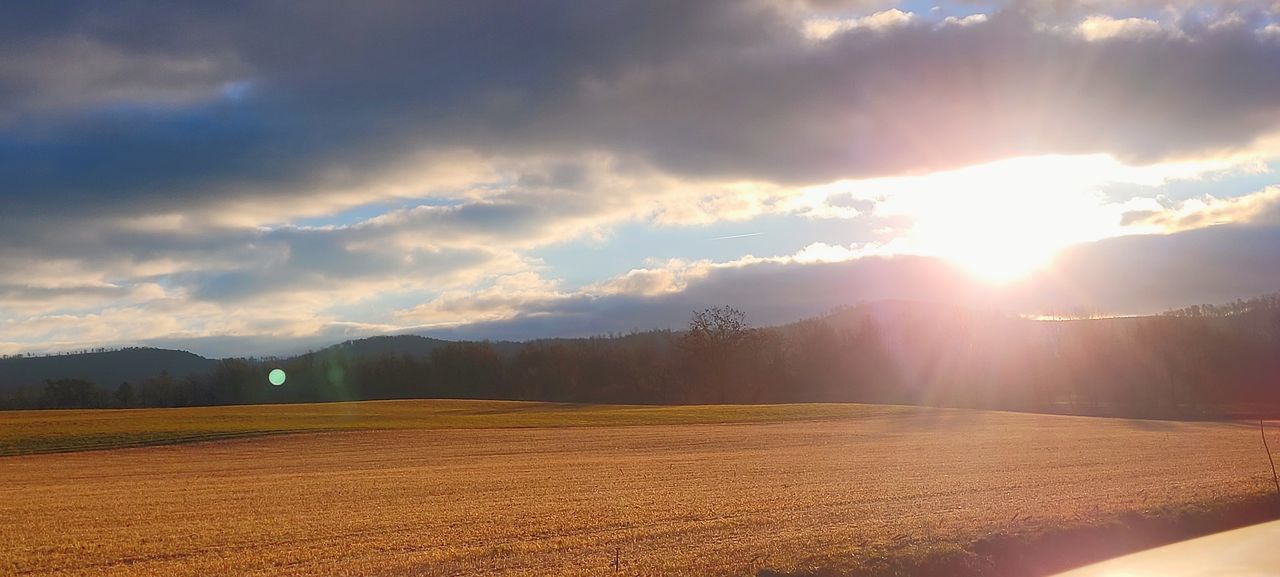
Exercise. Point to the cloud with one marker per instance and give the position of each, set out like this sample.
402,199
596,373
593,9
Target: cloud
1209,211
965,20
478,233
730,89
824,28
48,71
25,299
1102,27
1005,218
770,291
264,168
1125,275
1151,273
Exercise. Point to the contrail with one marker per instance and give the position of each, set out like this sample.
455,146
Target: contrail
738,236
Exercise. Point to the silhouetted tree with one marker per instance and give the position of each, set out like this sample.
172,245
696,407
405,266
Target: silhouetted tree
71,394
717,345
157,391
123,395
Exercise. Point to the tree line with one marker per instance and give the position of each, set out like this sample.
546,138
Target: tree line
719,359
1167,365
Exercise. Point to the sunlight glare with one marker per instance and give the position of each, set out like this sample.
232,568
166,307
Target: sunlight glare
1006,219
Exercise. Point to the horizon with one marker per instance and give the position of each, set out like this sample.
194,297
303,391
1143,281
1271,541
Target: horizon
839,309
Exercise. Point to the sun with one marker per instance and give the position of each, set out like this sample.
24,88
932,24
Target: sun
988,256
995,248
1004,220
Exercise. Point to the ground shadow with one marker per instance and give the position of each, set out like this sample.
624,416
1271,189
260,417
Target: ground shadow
1054,551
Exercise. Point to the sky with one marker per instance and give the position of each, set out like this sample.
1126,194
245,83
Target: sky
261,177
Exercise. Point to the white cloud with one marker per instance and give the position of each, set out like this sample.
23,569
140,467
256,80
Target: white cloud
969,20
505,297
1158,216
824,28
649,281
1103,27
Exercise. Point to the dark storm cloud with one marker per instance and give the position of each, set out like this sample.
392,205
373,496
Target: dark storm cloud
328,84
708,88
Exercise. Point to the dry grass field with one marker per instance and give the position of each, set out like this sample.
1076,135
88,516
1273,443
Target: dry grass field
674,499
27,432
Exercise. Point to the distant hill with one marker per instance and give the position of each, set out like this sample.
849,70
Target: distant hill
107,368
394,345
400,345
659,339
110,368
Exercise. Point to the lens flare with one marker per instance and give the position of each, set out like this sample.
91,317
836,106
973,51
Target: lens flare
276,377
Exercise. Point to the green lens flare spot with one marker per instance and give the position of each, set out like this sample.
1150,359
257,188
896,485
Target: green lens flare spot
276,377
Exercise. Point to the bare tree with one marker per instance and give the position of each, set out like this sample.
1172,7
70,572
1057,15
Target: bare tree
717,337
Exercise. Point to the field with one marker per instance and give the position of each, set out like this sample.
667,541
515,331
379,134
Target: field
477,488
27,432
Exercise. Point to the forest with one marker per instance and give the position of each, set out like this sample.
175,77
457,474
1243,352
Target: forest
1194,362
